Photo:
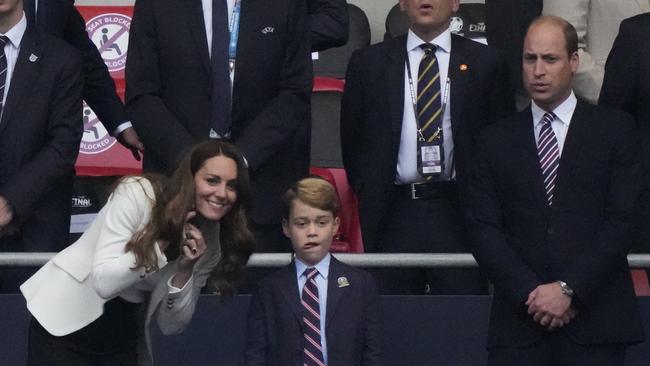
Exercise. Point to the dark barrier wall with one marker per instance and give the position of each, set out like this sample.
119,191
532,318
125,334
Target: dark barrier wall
419,330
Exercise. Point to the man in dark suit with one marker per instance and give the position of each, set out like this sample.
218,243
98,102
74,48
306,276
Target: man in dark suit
548,211
40,130
61,19
179,90
329,23
626,86
403,208
506,22
317,310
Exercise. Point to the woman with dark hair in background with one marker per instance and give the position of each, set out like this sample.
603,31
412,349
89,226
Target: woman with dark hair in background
156,241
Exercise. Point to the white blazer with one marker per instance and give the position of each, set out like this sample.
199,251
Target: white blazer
70,290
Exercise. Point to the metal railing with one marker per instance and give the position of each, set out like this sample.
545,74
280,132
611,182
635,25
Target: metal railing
404,260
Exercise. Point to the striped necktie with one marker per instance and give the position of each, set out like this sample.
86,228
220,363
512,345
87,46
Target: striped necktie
3,70
313,351
221,86
429,103
549,155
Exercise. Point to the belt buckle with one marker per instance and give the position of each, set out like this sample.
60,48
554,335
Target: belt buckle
414,196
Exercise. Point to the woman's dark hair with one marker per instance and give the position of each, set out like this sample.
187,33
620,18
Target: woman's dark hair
175,197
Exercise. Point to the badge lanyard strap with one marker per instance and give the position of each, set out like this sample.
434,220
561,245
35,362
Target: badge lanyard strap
234,34
414,101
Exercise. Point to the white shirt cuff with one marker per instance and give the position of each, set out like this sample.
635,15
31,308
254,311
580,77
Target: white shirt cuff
121,127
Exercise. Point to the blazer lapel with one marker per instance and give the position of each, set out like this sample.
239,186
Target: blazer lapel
334,291
396,55
570,151
194,18
24,75
460,68
247,28
45,14
525,138
289,290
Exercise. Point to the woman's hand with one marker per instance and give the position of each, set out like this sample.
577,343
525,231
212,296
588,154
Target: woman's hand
192,248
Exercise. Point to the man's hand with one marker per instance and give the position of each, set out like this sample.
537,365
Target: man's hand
130,139
6,213
549,306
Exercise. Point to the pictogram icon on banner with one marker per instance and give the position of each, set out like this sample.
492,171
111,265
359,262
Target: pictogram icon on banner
95,138
110,34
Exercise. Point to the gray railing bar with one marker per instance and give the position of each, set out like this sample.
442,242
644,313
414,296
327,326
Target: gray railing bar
403,260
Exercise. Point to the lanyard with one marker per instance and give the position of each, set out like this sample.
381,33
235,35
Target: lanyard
234,34
414,101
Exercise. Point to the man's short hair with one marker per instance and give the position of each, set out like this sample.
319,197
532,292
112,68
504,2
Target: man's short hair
314,192
569,31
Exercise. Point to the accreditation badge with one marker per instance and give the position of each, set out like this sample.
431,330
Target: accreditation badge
430,158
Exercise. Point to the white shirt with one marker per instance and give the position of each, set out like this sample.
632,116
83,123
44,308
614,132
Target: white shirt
11,49
323,268
560,126
407,168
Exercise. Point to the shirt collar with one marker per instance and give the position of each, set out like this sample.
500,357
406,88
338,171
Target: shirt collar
16,33
563,112
443,41
323,266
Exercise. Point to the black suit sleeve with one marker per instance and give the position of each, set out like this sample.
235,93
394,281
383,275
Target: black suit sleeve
503,266
57,156
329,23
373,343
621,73
352,122
585,273
98,86
158,127
264,136
502,98
255,350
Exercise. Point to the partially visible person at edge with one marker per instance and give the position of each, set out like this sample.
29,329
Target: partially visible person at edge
157,241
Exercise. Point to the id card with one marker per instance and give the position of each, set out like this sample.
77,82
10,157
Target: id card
430,159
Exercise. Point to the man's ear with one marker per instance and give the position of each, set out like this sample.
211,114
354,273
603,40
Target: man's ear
574,60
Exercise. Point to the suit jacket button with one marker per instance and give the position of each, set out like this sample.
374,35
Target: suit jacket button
550,231
142,275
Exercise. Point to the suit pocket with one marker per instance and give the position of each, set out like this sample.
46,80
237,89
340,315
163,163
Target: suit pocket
76,268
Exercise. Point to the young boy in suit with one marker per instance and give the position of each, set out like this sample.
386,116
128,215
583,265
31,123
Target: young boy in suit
316,310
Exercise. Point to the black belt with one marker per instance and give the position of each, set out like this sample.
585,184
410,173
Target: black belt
428,190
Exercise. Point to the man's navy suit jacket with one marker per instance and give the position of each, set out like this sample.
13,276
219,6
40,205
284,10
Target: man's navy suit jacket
372,112
40,131
520,242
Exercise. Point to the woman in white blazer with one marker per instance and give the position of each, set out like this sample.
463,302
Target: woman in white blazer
155,242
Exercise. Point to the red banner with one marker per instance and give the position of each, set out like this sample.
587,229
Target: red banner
99,153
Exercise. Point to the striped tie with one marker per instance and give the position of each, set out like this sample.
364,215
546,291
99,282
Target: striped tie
3,70
549,155
221,89
313,351
429,100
